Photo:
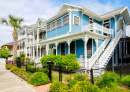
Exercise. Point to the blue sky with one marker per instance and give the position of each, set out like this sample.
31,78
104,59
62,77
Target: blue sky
30,10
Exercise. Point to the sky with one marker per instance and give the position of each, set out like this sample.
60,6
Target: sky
31,10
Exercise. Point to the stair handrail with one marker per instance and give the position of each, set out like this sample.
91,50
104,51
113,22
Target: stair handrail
105,56
98,52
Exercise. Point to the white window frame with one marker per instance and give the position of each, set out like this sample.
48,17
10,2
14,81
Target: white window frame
54,26
47,28
68,19
61,23
73,19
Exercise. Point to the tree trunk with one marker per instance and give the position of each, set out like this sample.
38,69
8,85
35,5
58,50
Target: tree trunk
15,41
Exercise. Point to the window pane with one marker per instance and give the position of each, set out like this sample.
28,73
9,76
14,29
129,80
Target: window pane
58,23
76,20
66,20
53,25
48,27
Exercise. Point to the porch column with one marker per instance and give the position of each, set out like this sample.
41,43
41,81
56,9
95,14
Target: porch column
96,41
56,44
33,37
115,17
25,47
29,52
113,62
38,35
40,50
47,48
37,51
85,39
68,42
33,53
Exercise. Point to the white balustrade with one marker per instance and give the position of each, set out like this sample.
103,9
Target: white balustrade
100,28
96,55
109,50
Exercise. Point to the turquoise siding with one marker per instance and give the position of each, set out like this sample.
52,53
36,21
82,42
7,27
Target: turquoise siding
100,41
64,29
94,46
66,48
75,28
85,19
98,22
79,48
59,49
112,24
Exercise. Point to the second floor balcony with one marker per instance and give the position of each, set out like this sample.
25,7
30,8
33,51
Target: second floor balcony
96,28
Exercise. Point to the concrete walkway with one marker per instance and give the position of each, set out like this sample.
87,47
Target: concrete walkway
12,83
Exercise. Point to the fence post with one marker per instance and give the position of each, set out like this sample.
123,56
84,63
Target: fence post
60,73
92,81
50,77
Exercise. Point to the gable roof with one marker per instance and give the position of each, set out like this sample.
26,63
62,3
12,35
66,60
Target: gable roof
65,6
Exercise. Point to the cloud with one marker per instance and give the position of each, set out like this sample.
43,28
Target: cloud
31,10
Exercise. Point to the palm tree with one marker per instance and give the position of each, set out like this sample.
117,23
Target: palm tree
15,23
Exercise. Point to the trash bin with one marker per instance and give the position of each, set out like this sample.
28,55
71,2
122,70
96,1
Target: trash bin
18,62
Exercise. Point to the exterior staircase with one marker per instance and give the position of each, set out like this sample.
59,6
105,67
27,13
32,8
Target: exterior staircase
104,55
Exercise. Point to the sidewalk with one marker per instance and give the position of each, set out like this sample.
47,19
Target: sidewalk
11,83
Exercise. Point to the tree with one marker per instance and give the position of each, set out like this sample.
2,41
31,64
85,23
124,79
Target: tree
15,23
5,52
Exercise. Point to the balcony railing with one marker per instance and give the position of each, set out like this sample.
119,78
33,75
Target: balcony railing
96,28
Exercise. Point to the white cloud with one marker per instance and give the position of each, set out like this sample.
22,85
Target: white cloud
30,10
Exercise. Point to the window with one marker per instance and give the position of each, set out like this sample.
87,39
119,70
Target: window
53,25
59,23
76,20
48,27
90,20
106,23
66,20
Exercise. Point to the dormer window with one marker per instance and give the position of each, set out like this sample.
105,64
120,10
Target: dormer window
48,27
66,19
76,20
121,24
90,20
53,25
106,23
59,23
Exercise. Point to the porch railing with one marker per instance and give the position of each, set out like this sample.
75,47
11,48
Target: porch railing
96,28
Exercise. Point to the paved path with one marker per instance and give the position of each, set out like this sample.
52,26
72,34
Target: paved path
11,83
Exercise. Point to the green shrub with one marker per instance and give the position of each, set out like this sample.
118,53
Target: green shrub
5,52
78,77
32,69
15,69
38,78
108,80
69,60
59,87
84,86
8,66
126,80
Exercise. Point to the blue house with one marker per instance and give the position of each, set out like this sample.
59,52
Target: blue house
95,39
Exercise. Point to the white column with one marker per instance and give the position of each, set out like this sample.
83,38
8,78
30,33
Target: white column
69,20
37,51
40,50
85,50
68,42
33,53
56,44
96,41
29,52
38,35
115,25
33,37
47,48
